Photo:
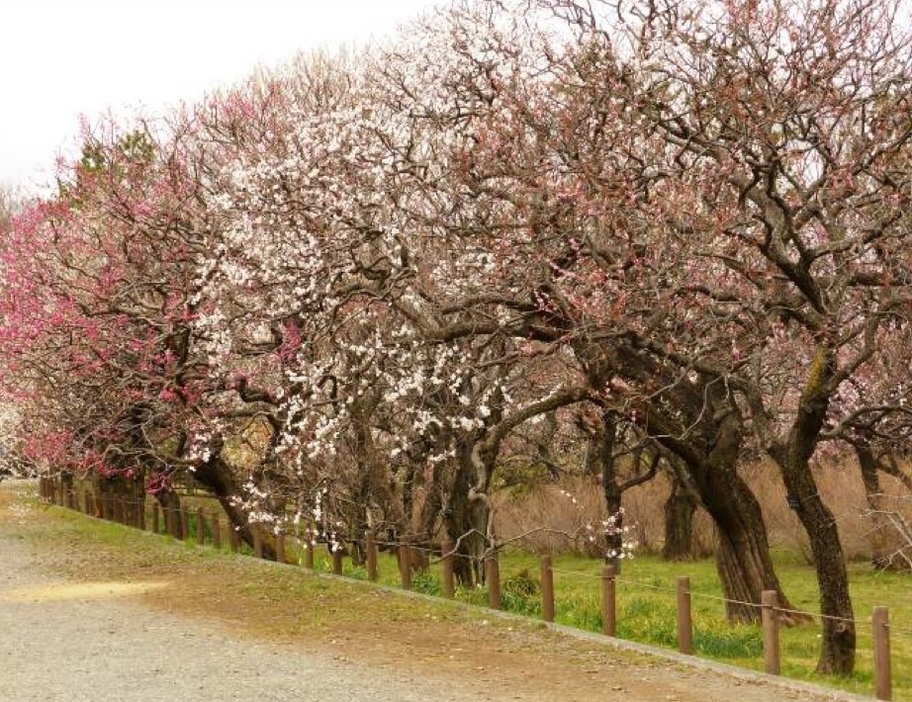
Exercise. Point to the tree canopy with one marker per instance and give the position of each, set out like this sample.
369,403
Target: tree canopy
674,227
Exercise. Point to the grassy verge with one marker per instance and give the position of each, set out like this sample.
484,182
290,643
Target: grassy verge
291,607
286,605
647,610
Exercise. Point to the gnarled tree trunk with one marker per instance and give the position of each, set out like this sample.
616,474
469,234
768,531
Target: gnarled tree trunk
889,542
837,651
465,518
217,476
680,508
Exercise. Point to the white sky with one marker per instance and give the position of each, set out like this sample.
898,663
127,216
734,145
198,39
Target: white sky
65,58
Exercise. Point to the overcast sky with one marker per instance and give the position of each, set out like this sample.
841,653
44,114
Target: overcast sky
63,58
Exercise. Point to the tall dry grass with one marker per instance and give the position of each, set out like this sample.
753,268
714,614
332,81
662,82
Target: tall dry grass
553,518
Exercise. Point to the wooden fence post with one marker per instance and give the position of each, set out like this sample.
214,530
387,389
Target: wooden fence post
233,540
185,523
492,575
257,540
770,622
141,513
547,588
308,552
171,522
200,527
372,573
685,621
883,684
156,512
280,547
118,509
216,531
449,584
405,566
609,600
336,551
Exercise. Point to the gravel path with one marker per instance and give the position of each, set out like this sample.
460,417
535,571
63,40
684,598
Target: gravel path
59,644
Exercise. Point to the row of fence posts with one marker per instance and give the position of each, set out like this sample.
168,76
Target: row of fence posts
111,508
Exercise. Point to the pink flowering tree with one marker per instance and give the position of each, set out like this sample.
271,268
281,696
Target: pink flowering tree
94,317
777,184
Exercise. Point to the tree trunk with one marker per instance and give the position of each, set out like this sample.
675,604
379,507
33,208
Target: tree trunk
134,495
217,476
837,651
466,523
171,509
680,508
743,559
880,525
705,433
602,444
128,492
375,492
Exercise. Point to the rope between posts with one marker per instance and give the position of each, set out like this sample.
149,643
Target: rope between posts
580,573
717,598
727,600
650,586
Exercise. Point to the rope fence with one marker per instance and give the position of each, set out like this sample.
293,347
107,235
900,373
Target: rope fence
204,526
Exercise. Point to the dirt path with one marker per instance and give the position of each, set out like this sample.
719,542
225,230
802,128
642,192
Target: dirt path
104,633
65,643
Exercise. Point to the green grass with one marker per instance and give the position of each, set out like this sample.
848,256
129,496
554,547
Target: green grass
646,609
